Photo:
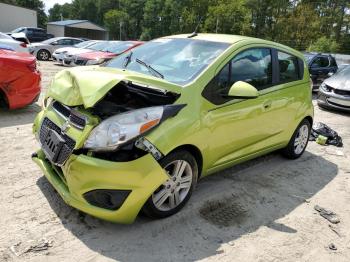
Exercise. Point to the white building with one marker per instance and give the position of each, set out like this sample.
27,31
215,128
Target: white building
12,17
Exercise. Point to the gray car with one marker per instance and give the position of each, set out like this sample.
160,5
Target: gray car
334,92
44,50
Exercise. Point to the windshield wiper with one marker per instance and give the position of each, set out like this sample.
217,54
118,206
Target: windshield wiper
150,68
127,59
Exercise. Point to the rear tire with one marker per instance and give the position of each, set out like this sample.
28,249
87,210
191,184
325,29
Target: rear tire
299,141
172,196
43,55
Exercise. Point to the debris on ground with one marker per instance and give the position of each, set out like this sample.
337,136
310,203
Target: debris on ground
13,249
41,246
324,135
327,214
335,230
332,246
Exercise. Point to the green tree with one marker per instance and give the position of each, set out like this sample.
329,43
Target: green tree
227,16
114,21
325,45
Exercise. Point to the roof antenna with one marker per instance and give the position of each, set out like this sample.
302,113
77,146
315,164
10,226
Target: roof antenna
195,30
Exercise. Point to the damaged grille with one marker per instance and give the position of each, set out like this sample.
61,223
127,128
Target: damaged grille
74,118
66,148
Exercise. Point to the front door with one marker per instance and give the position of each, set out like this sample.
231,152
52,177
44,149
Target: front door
240,127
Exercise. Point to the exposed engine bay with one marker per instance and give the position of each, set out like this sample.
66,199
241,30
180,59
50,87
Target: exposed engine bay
126,96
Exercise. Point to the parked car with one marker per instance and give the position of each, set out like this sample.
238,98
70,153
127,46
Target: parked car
58,55
112,49
321,66
342,66
44,50
334,92
33,34
8,41
19,79
70,55
140,131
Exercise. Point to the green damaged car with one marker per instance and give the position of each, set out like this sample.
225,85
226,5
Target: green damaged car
137,133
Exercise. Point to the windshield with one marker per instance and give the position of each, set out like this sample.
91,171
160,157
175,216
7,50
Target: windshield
20,29
98,46
84,44
178,60
118,47
49,41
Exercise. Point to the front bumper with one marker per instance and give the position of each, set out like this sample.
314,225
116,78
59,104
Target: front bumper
333,101
83,174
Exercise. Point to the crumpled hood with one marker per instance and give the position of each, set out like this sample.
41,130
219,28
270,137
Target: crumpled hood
87,85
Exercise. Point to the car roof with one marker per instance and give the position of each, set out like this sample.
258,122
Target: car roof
230,39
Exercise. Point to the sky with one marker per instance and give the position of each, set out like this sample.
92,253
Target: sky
50,3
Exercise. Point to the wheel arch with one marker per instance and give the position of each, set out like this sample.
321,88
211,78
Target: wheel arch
195,152
310,119
4,103
43,49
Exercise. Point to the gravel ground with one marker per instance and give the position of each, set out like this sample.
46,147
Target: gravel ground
262,210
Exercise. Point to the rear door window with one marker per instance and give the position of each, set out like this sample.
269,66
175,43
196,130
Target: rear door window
288,67
64,42
320,61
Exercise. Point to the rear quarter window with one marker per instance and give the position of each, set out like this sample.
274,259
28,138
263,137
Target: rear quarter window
291,68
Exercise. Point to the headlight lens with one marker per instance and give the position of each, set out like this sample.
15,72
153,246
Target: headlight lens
325,88
119,129
95,61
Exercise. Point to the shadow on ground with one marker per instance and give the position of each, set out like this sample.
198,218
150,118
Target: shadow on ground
17,117
224,207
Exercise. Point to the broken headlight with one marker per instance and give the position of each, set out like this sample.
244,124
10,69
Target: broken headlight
119,129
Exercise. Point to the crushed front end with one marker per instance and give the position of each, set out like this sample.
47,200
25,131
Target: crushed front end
113,182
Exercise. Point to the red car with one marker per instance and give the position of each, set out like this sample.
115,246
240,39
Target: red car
19,79
112,49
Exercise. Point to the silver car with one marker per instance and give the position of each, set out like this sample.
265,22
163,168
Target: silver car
334,92
44,50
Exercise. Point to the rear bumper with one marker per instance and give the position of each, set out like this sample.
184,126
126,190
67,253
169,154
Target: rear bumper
333,101
82,174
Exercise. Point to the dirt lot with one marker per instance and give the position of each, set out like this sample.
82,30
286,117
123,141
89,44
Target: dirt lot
262,210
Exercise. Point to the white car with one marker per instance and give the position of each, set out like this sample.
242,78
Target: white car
58,55
17,46
70,56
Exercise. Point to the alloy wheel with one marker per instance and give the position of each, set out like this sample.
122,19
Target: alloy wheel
301,139
169,195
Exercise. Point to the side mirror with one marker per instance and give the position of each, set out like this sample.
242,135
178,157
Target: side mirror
54,43
244,90
330,74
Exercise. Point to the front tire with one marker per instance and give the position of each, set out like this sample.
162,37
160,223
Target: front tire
43,55
299,141
171,196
